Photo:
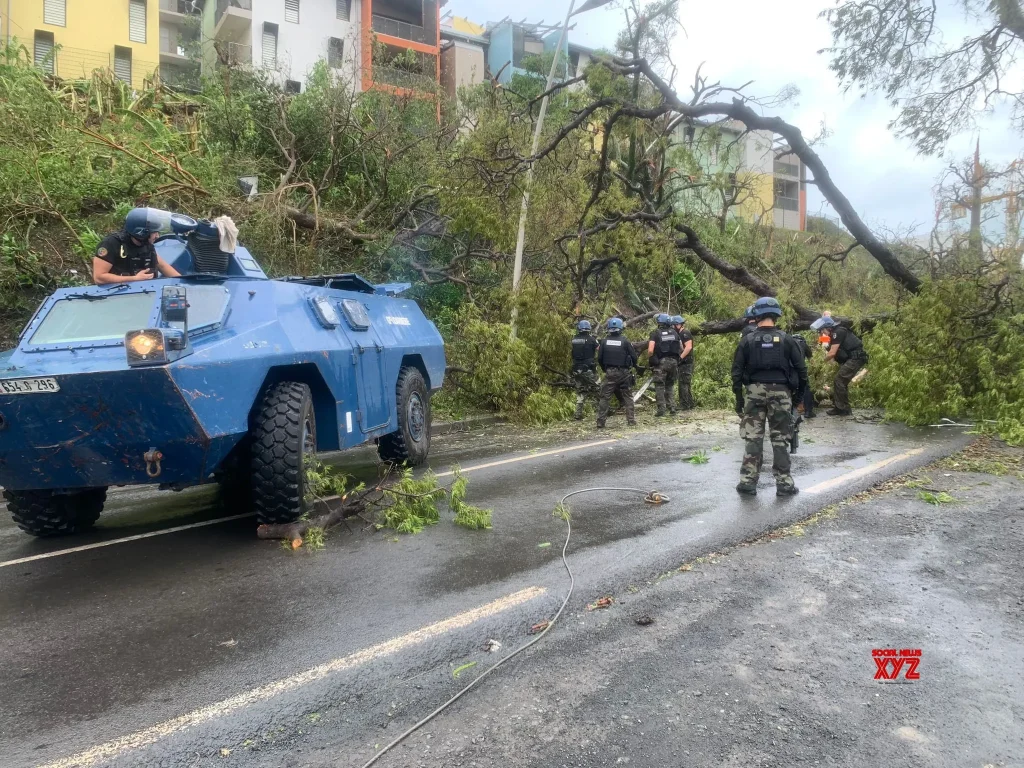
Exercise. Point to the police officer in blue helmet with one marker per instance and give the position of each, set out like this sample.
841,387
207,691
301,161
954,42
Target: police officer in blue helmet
129,256
768,373
685,374
617,359
584,365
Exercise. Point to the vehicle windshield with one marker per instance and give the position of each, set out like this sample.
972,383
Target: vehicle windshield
78,320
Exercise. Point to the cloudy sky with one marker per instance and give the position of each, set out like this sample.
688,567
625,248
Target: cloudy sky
741,40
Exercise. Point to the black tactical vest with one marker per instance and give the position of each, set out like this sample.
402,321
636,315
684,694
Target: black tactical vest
850,346
584,351
767,361
668,344
613,352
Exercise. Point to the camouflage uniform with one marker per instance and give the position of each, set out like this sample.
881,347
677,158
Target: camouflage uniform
685,380
772,403
664,375
616,381
585,383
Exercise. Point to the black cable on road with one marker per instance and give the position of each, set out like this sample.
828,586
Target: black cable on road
651,497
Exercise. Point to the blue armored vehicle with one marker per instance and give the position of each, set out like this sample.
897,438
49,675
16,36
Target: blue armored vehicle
219,375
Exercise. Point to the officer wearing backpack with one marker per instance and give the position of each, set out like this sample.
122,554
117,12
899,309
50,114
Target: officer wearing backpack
663,350
584,365
768,370
847,349
617,358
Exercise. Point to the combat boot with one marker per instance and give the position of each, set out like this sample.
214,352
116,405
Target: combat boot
838,412
787,490
746,489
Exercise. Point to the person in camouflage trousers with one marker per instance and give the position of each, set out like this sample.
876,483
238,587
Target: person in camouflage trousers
685,374
617,359
768,370
584,365
663,350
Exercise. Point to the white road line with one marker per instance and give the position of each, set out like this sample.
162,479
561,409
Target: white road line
155,733
530,456
98,544
857,473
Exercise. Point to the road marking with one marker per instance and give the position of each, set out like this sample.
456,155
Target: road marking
176,529
529,457
857,473
155,733
97,545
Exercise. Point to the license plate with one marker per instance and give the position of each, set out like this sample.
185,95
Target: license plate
28,386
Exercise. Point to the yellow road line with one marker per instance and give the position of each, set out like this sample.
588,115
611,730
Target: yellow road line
98,544
858,473
531,456
155,733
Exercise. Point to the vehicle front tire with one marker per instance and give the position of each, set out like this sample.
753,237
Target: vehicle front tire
283,439
47,514
410,444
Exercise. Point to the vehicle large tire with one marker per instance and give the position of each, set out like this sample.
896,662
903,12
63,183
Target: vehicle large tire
410,444
46,513
283,439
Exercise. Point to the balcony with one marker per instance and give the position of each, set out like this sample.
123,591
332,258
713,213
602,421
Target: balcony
175,12
412,20
232,20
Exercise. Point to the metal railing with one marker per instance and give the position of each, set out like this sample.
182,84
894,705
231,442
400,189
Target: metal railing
402,78
404,30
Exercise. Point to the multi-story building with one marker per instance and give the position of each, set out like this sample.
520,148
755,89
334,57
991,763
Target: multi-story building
471,52
73,38
762,183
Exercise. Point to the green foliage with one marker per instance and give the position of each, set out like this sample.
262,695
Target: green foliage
712,372
466,515
935,498
412,503
699,457
942,359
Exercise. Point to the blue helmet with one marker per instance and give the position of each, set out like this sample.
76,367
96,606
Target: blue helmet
615,324
663,319
748,313
583,326
140,223
766,306
823,322
678,320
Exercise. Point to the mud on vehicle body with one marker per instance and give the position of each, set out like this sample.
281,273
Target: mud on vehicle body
221,375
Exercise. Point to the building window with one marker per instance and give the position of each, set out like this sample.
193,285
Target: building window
335,52
137,21
270,46
408,11
43,53
787,169
292,86
55,12
787,195
344,10
291,11
123,64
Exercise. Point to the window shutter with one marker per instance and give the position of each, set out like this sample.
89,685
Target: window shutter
344,10
291,11
55,12
123,64
335,52
269,46
137,21
42,53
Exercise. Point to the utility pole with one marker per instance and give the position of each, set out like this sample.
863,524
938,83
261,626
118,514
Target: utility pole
517,271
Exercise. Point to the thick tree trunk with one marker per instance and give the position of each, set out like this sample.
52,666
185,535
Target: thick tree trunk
739,110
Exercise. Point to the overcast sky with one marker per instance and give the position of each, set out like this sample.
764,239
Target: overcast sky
775,45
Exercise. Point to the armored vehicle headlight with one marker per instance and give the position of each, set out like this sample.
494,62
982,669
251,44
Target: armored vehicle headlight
145,347
325,312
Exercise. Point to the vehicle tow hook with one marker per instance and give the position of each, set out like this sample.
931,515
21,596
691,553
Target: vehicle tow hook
152,457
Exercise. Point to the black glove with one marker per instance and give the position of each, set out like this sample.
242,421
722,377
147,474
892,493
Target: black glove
738,391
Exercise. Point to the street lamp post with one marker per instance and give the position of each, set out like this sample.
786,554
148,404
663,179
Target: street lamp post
517,271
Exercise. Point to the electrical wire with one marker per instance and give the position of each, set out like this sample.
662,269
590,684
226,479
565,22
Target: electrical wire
650,497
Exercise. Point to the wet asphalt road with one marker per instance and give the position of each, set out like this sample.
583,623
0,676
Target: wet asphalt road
105,643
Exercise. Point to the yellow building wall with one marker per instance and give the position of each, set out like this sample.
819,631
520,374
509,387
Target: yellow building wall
93,28
758,206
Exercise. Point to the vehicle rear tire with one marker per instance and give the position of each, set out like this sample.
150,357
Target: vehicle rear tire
47,514
410,444
283,439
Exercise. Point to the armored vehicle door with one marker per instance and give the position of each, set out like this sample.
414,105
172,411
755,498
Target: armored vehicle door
374,393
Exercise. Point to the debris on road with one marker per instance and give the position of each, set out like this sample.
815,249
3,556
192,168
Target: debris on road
228,643
645,620
544,544
604,602
459,670
539,627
